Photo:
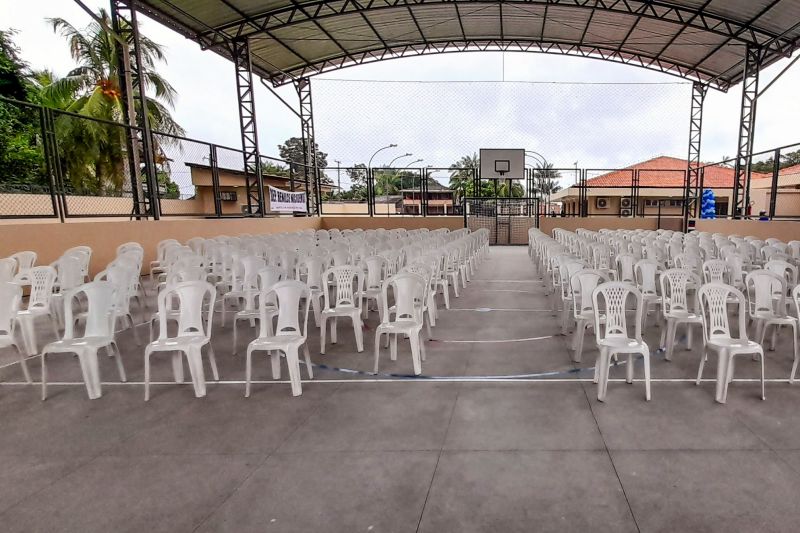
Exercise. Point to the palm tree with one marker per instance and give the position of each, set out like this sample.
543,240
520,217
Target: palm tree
94,152
510,189
462,174
546,179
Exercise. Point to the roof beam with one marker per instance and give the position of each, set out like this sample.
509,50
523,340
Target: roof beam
447,46
658,10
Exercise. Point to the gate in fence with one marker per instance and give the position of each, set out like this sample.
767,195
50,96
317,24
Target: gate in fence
507,219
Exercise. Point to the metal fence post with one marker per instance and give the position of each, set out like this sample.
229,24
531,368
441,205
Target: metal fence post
773,190
212,156
51,161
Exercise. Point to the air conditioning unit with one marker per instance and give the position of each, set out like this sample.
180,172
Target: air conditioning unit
625,212
601,203
625,203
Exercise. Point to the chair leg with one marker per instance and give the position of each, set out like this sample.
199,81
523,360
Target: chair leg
44,376
359,333
722,376
647,375
323,331
118,357
309,368
91,379
334,329
601,373
702,364
377,350
213,360
248,371
24,364
275,360
629,369
195,360
235,336
393,349
689,335
415,355
147,374
763,391
796,353
136,337
294,370
580,333
672,327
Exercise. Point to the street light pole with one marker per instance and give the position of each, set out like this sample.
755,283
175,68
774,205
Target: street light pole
369,168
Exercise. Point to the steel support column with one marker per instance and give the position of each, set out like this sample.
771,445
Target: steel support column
692,192
254,182
303,87
140,146
747,121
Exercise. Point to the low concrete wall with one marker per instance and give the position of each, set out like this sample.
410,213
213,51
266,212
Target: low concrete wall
49,240
780,229
451,223
547,224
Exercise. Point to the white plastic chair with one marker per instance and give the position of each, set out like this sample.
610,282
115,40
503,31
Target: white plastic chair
267,277
646,273
10,298
98,333
41,280
196,308
309,270
288,337
717,336
766,306
676,307
346,282
612,335
583,283
69,275
374,266
407,318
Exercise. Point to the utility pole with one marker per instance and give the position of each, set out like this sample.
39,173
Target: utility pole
339,176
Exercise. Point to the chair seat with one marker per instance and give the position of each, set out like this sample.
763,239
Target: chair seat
276,343
622,344
175,343
734,344
69,345
33,312
404,325
341,310
685,316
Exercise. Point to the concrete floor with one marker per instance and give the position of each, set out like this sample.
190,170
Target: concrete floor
356,454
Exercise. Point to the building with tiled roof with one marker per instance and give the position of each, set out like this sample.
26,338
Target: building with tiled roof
661,182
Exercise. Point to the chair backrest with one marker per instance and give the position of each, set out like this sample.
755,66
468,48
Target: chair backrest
675,284
374,266
10,299
289,294
124,247
41,280
251,266
186,273
766,293
714,299
101,299
349,279
8,266
714,271
610,301
784,269
310,270
408,289
583,283
340,257
195,308
69,271
646,274
123,277
25,261
625,264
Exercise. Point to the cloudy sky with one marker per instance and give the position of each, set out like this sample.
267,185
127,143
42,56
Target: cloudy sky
438,108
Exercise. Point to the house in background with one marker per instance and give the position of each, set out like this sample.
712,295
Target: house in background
232,188
661,182
440,200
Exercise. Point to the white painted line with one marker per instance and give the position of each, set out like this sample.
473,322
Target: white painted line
527,339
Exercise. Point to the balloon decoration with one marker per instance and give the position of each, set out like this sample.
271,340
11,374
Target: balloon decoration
708,204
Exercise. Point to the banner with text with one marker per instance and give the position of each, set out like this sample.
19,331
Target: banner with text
286,202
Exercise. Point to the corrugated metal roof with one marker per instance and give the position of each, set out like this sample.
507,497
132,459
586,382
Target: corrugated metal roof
702,40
